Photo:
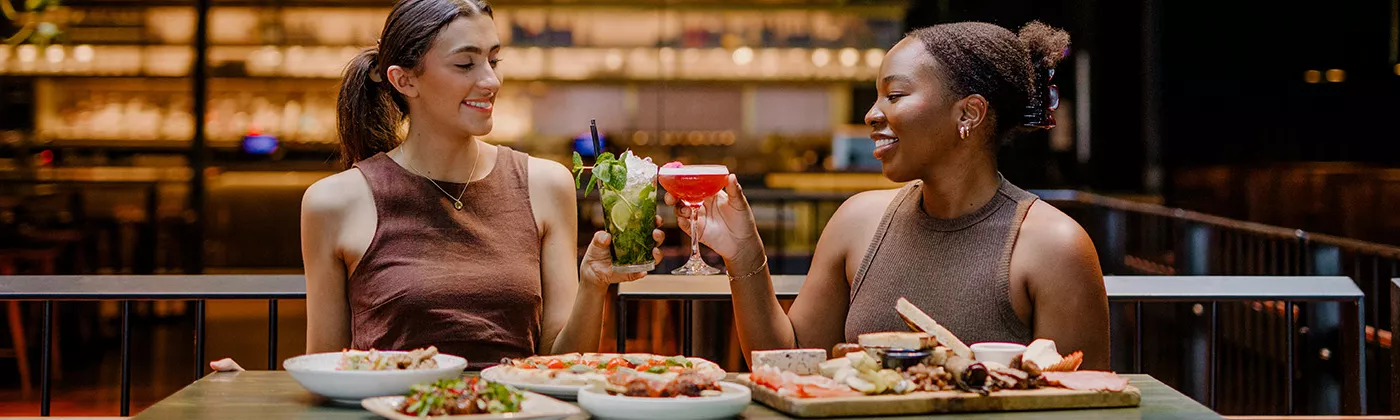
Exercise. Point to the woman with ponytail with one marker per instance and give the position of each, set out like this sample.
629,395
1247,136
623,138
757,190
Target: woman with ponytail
984,258
435,238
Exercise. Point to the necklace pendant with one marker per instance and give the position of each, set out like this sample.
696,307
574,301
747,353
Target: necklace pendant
457,205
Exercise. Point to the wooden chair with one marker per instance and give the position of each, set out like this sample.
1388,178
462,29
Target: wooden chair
38,261
19,347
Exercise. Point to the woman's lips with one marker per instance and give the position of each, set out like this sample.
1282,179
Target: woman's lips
884,146
483,106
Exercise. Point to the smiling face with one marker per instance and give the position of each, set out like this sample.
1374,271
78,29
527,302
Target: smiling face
916,117
455,84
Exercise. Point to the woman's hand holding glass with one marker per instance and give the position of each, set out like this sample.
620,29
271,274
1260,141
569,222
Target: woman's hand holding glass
725,223
597,266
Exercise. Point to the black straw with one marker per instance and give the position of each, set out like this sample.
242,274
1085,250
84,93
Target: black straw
597,145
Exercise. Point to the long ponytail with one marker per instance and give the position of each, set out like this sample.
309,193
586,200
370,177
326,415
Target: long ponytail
367,114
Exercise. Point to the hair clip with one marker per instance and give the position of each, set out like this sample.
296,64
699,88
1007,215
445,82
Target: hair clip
1040,110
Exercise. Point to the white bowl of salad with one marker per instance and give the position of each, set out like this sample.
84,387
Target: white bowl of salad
353,375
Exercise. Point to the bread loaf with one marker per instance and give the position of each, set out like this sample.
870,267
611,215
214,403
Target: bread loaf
921,321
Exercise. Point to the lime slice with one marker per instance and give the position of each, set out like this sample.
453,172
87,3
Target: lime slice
622,215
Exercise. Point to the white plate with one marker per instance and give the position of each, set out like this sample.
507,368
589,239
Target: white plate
535,406
567,392
317,373
729,404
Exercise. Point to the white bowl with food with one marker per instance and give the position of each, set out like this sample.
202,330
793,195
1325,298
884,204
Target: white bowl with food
1003,353
731,400
352,375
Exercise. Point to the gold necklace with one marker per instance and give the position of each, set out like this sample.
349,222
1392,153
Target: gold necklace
456,201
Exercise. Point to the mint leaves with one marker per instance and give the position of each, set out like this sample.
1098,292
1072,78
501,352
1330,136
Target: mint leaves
606,168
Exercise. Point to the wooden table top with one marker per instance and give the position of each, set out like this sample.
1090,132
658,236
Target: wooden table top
275,395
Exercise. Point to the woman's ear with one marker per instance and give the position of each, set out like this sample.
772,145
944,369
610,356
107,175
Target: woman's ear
403,81
974,111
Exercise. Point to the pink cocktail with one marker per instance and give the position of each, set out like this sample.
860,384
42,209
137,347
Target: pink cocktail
692,184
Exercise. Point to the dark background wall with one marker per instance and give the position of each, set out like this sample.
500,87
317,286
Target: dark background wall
1229,81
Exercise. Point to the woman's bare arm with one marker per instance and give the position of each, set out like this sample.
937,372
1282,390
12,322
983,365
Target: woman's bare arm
1060,267
323,210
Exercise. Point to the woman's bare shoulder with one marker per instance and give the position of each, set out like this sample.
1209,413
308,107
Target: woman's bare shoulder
1053,230
865,209
336,194
1051,240
855,222
551,176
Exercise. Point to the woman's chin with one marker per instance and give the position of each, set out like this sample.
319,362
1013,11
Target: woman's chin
894,173
478,128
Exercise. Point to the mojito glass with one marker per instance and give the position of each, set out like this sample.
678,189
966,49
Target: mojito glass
630,214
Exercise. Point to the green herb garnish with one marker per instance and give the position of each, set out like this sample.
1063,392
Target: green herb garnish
606,168
444,396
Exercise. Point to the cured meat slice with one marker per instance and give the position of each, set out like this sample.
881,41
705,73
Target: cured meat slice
800,386
1086,380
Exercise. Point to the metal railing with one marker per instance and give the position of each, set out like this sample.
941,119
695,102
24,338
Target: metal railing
1132,290
126,289
1141,238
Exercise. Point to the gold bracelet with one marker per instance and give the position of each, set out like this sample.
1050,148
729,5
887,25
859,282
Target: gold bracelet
760,268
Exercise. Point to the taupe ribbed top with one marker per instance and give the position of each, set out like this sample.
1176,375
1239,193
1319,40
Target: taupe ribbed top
956,270
467,281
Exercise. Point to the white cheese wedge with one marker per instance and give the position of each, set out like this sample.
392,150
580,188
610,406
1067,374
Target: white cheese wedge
1042,352
801,362
898,340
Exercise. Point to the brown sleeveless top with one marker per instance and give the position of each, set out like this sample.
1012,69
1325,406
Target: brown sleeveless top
956,270
465,281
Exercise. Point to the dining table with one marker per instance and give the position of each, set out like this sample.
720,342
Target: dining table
276,395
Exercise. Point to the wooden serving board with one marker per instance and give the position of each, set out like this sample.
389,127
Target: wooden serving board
943,401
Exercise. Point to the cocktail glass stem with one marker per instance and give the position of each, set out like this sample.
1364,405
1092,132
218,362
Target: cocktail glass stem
695,265
695,238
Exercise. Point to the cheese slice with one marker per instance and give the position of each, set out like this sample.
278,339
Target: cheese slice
939,356
1042,352
921,321
898,340
801,361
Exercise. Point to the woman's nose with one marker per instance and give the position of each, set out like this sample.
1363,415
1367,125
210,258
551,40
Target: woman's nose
874,117
491,83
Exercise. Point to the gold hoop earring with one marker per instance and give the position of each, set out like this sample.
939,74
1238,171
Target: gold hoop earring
962,131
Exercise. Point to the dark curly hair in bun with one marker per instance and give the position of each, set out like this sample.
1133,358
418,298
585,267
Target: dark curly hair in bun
1012,71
